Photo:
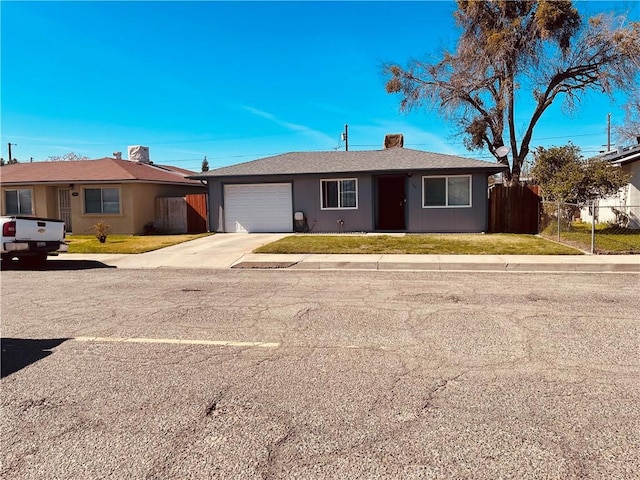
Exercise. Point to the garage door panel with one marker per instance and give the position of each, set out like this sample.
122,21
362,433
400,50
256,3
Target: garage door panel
258,208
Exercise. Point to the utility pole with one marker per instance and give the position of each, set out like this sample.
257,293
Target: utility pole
345,137
608,132
10,157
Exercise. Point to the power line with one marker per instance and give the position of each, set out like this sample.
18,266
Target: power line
533,140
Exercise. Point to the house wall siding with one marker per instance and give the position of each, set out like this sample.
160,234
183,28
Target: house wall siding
119,222
40,204
306,199
144,197
52,202
39,200
634,194
447,220
628,196
137,204
634,183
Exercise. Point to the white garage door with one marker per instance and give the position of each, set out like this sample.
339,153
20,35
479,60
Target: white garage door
258,208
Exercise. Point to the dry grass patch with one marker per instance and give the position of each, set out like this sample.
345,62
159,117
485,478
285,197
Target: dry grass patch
126,243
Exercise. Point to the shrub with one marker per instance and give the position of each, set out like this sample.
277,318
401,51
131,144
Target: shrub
101,229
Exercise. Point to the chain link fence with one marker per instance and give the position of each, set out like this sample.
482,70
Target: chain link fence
594,227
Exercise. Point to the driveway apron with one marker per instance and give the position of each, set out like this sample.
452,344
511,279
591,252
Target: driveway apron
215,251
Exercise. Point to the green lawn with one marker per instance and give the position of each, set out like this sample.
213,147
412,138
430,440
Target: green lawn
608,239
444,244
126,243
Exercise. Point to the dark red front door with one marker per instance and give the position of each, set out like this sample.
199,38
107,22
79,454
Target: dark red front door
391,195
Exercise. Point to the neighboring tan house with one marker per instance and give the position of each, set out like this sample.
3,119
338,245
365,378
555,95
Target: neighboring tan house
124,193
622,209
394,189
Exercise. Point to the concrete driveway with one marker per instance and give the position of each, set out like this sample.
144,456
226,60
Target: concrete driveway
215,251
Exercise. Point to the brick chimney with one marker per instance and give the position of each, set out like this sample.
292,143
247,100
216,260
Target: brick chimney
393,140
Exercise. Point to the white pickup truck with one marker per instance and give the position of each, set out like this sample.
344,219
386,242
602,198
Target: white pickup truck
31,239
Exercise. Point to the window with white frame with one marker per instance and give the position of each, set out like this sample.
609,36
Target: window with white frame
101,200
446,191
18,202
339,194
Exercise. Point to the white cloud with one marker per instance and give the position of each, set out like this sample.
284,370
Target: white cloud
319,137
414,137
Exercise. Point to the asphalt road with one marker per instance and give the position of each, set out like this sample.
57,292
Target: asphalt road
162,374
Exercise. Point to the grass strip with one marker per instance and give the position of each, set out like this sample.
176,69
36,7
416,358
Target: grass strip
608,239
126,243
440,244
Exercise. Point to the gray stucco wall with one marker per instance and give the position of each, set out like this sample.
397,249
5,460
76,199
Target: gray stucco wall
450,219
306,199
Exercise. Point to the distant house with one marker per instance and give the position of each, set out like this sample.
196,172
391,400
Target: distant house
394,189
624,208
124,193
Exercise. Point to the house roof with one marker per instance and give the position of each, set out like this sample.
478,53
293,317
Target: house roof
101,170
396,159
623,155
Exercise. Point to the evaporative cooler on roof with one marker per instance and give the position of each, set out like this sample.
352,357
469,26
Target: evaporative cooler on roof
138,153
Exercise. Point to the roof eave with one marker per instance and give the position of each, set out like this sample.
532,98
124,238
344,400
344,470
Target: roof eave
492,169
97,182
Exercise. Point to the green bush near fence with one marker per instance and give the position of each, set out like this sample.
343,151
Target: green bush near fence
608,238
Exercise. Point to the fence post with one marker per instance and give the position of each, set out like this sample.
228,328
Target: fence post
593,226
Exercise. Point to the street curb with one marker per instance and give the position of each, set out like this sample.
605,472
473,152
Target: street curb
452,266
451,263
372,262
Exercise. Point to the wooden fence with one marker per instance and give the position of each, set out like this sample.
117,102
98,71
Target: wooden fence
181,214
197,212
514,209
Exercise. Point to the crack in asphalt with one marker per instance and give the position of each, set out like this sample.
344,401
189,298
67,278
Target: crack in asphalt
212,407
268,469
440,387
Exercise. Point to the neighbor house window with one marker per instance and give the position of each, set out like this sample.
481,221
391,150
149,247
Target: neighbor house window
454,191
101,200
339,194
18,202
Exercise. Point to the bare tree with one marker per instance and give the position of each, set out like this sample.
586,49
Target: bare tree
507,47
67,157
630,130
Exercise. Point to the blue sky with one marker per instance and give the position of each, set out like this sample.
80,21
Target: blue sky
233,81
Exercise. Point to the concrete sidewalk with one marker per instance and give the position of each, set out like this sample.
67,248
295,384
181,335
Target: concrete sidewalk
505,263
478,263
231,250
